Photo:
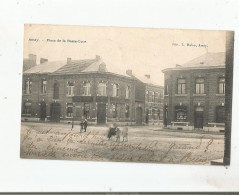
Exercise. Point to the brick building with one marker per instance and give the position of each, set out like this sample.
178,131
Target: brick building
194,94
67,91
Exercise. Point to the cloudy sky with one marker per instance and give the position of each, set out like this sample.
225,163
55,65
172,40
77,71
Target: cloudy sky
145,51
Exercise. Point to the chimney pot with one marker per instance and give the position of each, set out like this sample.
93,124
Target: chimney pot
68,60
42,60
98,57
129,72
148,76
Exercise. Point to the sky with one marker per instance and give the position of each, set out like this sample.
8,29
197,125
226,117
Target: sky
145,51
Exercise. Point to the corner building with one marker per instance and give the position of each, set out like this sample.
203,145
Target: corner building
67,91
194,94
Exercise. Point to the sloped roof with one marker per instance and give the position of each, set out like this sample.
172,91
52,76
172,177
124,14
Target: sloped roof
145,80
206,60
46,67
75,66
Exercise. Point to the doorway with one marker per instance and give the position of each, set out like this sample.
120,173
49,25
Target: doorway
198,117
43,111
101,113
55,112
139,116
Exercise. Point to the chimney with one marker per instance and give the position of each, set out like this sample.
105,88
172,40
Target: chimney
147,75
42,60
129,72
32,57
178,65
68,60
97,57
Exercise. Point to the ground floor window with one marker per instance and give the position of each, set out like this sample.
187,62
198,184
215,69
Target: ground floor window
86,110
126,111
114,110
69,110
180,113
220,114
27,108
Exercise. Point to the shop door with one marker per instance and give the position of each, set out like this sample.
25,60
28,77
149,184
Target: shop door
198,120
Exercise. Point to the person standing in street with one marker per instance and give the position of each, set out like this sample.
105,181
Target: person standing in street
85,124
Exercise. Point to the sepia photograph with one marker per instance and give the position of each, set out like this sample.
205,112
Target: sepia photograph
126,94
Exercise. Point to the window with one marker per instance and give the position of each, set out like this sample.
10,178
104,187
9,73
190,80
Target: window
151,96
102,89
200,86
156,97
166,89
126,111
28,87
147,96
86,110
27,108
69,110
127,92
43,86
70,88
56,91
180,113
220,114
115,90
181,86
86,88
221,84
114,110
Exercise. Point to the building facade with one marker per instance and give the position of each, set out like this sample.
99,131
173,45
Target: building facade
69,91
194,94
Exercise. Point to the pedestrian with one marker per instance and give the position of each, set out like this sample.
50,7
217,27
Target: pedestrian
82,125
125,134
112,131
85,124
117,134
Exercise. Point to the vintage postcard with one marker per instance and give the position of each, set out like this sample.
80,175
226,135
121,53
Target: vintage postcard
126,94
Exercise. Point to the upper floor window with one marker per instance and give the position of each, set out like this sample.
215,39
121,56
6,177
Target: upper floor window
166,89
200,86
156,97
115,90
28,86
147,96
86,88
127,92
102,89
43,86
221,85
70,88
151,96
56,91
181,86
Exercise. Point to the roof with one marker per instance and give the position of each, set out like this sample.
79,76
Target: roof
146,80
77,67
46,67
207,60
